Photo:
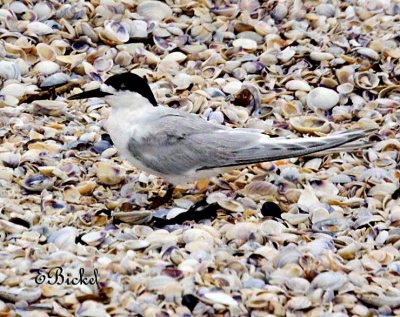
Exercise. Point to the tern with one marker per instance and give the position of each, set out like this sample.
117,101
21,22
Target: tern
182,147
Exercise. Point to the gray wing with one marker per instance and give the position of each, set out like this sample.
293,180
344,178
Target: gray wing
180,142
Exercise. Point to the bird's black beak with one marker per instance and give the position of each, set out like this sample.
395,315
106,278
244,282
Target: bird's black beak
89,94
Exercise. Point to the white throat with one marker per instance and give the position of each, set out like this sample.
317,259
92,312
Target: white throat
127,100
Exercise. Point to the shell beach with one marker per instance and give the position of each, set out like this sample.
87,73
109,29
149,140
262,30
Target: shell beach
311,236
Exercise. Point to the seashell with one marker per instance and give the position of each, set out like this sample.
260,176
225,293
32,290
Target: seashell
46,68
10,227
279,12
286,55
331,225
321,56
94,238
298,85
246,44
345,74
39,28
310,124
54,80
154,10
133,217
272,228
345,88
9,70
366,80
268,59
249,5
329,280
263,112
136,244
49,107
80,46
103,65
298,303
229,10
114,33
325,9
73,60
231,205
220,298
136,28
368,52
175,57
109,173
64,238
259,190
36,183
8,100
91,308
44,10
235,114
242,231
322,98
123,58
298,285
20,294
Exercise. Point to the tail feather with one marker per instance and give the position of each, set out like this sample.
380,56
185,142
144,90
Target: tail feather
277,149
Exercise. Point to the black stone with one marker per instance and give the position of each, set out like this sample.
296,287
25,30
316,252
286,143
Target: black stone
19,221
134,83
270,209
190,301
396,194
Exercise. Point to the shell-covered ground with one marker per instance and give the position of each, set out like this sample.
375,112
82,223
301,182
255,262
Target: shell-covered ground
315,236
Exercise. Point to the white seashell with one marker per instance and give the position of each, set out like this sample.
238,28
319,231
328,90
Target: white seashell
322,98
20,294
368,52
49,107
345,88
329,280
175,57
114,33
320,56
8,100
366,80
136,244
46,52
154,10
64,238
46,68
94,238
55,79
39,28
286,55
310,124
272,227
220,298
298,85
9,70
103,64
136,28
246,44
325,9
298,303
123,58
182,81
268,59
308,198
44,10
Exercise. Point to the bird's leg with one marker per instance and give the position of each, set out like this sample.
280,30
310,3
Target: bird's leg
167,198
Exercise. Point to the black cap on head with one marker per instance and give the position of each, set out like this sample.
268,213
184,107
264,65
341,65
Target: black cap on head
134,83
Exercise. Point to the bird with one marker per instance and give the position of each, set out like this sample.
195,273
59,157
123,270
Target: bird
182,147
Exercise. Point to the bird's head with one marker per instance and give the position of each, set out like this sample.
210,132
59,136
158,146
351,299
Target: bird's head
121,89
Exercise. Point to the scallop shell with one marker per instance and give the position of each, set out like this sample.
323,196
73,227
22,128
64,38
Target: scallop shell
114,33
154,10
310,124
